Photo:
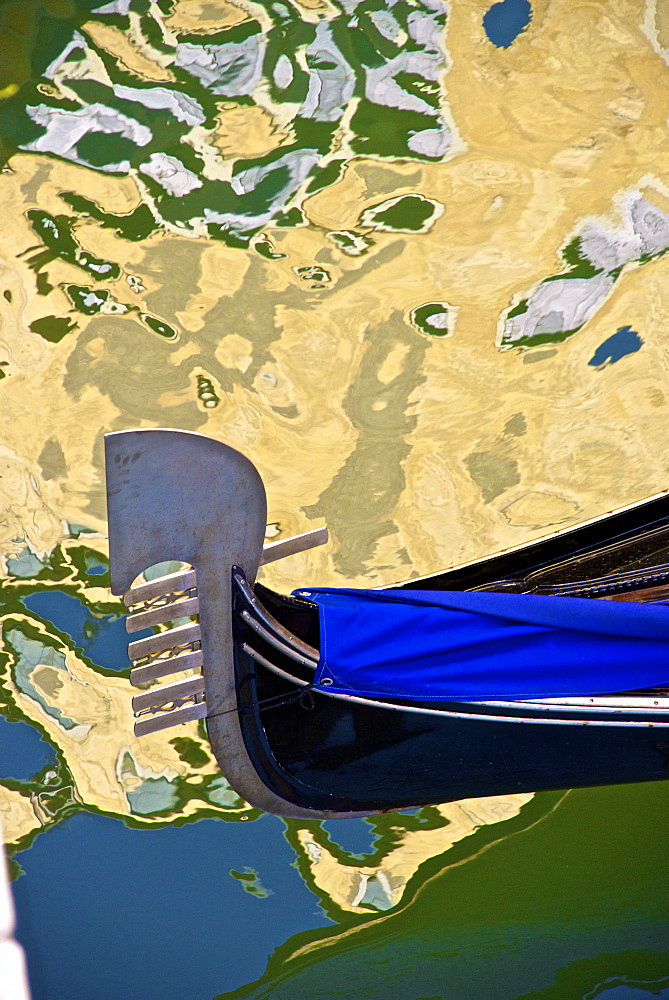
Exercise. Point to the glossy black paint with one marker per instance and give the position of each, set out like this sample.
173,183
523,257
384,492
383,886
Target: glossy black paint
628,542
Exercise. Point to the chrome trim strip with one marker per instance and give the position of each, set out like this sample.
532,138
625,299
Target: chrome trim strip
624,700
259,658
271,623
615,706
273,641
478,717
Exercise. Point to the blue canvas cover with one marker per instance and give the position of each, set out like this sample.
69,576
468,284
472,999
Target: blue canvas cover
467,646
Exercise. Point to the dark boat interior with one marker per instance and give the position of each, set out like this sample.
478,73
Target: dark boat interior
622,556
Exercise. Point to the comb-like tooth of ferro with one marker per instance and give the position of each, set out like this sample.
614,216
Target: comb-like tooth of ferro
173,638
174,650
164,720
174,583
170,694
154,669
291,546
161,613
161,600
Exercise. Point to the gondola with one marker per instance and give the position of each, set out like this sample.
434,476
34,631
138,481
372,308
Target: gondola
293,738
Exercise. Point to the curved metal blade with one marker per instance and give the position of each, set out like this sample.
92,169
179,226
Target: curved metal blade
179,495
175,495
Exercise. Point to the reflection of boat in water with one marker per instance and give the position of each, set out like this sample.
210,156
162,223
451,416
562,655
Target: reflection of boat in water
291,732
351,883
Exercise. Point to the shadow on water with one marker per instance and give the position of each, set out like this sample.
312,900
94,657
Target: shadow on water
23,752
504,21
623,342
103,639
355,836
177,924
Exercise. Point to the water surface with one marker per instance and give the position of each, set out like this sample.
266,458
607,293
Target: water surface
411,258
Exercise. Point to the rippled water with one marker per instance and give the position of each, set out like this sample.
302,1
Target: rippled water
410,257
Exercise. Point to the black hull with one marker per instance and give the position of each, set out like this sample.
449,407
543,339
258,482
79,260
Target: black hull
326,755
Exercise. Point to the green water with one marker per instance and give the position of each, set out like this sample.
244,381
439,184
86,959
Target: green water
536,913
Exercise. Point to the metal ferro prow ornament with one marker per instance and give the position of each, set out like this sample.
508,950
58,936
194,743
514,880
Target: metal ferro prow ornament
179,496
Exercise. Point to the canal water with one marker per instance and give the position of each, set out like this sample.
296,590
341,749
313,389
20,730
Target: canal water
410,256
